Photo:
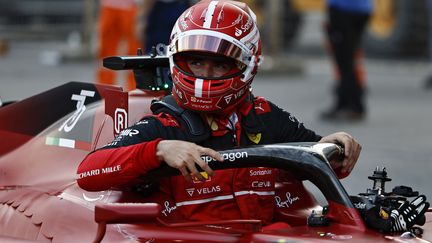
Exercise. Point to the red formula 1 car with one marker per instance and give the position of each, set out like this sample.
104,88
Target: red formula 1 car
45,137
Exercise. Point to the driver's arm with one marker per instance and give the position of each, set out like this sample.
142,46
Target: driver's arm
109,167
131,154
139,149
352,151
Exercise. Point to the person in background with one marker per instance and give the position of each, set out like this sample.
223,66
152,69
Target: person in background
155,20
428,80
4,47
116,27
346,24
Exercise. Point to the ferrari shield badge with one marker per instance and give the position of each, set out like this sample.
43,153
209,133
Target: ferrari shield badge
254,137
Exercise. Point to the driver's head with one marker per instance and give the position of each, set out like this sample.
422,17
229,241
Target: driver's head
214,52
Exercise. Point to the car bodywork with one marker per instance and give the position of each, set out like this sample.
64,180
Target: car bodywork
45,137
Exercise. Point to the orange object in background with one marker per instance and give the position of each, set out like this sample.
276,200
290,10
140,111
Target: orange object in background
116,26
4,47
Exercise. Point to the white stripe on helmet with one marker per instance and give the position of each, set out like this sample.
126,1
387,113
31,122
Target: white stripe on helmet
198,87
209,14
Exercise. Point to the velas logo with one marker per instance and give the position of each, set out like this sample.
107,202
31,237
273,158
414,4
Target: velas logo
190,191
227,156
228,98
235,96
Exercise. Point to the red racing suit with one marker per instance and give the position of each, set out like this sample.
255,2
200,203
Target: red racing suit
247,193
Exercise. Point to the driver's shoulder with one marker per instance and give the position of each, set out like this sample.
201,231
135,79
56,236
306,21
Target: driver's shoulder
166,119
167,126
262,106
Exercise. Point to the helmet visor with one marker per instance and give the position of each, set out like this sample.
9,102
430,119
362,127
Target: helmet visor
207,65
210,44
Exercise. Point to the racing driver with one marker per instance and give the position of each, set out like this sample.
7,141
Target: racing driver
214,51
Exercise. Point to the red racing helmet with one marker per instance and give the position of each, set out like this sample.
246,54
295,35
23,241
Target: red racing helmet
214,29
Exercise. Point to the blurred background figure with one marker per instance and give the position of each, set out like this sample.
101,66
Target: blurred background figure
155,20
4,47
116,27
428,81
345,27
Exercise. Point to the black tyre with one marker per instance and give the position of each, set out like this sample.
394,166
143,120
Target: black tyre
398,28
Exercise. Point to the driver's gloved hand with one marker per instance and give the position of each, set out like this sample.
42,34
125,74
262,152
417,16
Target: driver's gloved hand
409,214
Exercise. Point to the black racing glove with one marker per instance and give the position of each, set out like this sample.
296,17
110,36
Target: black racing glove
408,214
